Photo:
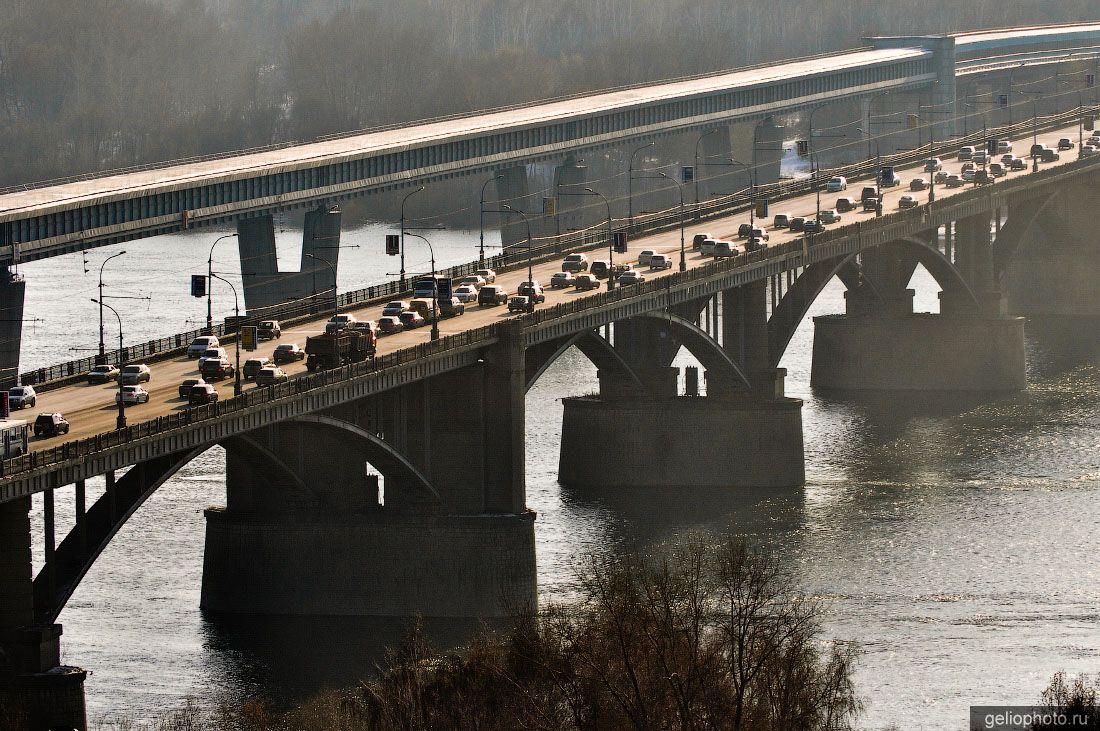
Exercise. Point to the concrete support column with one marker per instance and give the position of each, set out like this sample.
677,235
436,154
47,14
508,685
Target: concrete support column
503,428
745,338
769,151
716,177
512,190
12,291
649,351
974,257
573,211
884,288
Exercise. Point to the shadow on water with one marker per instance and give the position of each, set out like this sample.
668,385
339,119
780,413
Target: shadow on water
286,659
1059,344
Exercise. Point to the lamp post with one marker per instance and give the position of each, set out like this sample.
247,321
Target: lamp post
210,283
530,263
697,143
237,318
481,215
878,170
120,420
102,347
630,185
335,301
871,118
683,249
435,288
752,201
814,172
401,280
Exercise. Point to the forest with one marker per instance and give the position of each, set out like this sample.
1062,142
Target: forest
91,85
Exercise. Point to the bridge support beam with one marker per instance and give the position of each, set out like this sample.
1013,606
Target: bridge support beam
12,292
36,692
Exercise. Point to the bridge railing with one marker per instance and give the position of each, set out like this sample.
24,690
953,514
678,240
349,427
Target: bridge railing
545,248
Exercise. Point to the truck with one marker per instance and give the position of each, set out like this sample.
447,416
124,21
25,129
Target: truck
335,349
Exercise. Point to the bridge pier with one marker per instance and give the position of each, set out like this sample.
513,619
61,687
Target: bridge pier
36,692
12,293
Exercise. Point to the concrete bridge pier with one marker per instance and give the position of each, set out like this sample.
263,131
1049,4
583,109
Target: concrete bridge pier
574,212
264,285
12,292
37,693
640,433
880,344
306,529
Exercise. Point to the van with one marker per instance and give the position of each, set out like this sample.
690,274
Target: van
423,307
200,345
707,247
781,220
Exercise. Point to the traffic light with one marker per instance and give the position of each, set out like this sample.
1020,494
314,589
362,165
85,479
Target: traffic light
803,147
687,173
249,337
991,147
620,242
198,285
393,244
1090,80
912,121
1002,100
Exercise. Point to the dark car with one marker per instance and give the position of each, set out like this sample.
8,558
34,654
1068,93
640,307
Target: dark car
252,366
698,240
390,324
797,223
744,230
202,394
188,384
50,425
269,330
215,368
287,353
813,226
410,320
103,374
492,294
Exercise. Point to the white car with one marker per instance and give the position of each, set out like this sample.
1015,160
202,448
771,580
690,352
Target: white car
562,279
474,281
933,164
645,256
907,201
837,184
215,353
829,216
487,274
130,395
466,293
1088,151
660,261
200,345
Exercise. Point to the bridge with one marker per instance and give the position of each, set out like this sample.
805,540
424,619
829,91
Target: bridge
442,529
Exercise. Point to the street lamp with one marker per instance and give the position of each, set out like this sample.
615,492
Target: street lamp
401,280
630,184
435,288
530,265
871,118
752,201
237,319
481,213
610,234
120,421
326,262
210,284
683,250
878,170
102,348
697,143
814,172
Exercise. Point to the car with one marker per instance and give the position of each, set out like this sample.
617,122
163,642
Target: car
492,294
451,307
575,263
135,373
50,425
966,152
724,249
968,166
1065,144
426,307
660,261
1036,150
271,375
411,320
1050,155
1018,163
889,179
584,282
1094,140
389,325
1088,150
1007,158
519,303
252,366
269,330
202,393
781,220
980,157
707,248
395,308
188,384
644,257
941,176
474,280
630,277
836,184
532,290
997,170
918,184
466,293
829,216
981,177
562,279
698,239
933,164
367,326
200,345
132,395
843,205
600,268
967,175
797,223
213,369
744,230
215,353
953,181
336,323
812,226
758,234
1004,146
102,374
907,201
287,353
487,274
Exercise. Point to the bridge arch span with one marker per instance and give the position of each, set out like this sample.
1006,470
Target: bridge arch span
594,347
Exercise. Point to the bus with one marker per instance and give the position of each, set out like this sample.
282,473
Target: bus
14,434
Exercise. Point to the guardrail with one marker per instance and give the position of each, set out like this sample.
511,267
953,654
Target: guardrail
62,373
795,253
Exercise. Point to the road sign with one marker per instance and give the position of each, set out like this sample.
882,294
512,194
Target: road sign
249,337
912,121
1090,122
803,147
1090,80
620,242
1002,100
550,206
198,285
991,147
393,244
762,208
687,173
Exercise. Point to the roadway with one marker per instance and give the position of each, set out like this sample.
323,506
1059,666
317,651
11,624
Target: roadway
90,409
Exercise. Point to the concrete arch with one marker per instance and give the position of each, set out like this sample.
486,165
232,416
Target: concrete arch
705,348
1010,237
595,348
797,300
949,278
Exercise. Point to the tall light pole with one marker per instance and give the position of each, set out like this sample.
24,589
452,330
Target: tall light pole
871,117
530,263
481,215
697,143
401,280
752,201
210,283
683,248
814,172
335,301
610,234
878,169
102,347
237,318
630,184
435,288
120,420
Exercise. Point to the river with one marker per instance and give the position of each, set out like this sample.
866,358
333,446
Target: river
953,539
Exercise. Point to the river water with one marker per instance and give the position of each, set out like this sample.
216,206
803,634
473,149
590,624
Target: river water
953,539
